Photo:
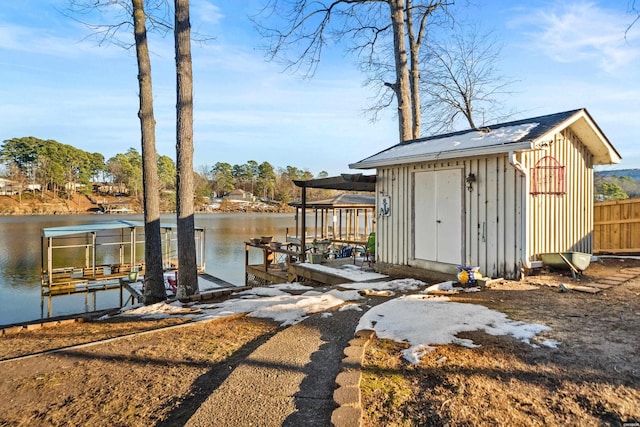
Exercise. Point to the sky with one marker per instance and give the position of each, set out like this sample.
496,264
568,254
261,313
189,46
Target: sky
423,321
57,82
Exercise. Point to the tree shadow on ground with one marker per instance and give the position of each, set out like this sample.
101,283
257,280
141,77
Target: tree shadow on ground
314,401
207,383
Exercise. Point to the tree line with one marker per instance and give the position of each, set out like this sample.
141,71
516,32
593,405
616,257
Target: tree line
63,169
616,187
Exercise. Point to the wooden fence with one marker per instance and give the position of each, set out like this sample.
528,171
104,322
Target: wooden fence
616,226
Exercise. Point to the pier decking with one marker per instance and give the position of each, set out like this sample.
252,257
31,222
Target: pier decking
346,220
282,266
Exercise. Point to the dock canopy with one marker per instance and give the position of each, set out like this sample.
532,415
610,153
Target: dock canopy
342,201
344,182
357,182
70,230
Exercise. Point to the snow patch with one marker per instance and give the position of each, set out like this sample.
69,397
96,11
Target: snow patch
350,307
425,322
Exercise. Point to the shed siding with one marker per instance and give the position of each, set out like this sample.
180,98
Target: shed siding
563,222
491,219
393,237
495,210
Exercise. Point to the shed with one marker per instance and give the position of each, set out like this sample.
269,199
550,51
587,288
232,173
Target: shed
495,197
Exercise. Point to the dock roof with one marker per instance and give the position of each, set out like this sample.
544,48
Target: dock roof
93,227
343,182
342,201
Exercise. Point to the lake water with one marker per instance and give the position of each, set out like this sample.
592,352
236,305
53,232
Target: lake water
20,256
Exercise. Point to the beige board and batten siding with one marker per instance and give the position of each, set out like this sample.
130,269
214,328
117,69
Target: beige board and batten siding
495,210
562,222
394,233
491,220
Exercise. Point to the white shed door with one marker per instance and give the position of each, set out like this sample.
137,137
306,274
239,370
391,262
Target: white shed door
438,216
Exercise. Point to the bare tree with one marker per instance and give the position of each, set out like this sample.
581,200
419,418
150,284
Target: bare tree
120,15
416,33
378,30
134,11
188,277
461,81
154,290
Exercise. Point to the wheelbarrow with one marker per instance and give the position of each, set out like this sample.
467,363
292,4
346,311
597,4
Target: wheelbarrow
577,262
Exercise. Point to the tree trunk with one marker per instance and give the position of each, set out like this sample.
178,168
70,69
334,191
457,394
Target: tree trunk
414,81
154,290
187,269
401,86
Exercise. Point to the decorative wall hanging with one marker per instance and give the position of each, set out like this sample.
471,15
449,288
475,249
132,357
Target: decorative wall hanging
385,206
548,177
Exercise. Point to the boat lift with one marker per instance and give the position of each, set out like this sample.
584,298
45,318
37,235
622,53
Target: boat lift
104,268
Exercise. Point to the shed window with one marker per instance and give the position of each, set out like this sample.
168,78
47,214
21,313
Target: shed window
548,177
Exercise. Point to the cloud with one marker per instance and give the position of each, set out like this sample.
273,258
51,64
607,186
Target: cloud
206,12
39,41
580,32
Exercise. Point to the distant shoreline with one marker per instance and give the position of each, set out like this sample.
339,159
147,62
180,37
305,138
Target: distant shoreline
84,205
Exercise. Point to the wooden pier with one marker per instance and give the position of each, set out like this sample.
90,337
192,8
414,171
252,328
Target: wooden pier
281,265
346,220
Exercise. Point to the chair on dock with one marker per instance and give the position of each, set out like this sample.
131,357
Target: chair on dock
370,250
344,252
173,282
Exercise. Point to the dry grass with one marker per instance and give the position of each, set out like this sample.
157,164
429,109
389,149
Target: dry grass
499,384
141,380
592,378
59,336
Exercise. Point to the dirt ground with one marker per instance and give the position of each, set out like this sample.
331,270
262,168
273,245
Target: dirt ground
592,378
161,377
157,378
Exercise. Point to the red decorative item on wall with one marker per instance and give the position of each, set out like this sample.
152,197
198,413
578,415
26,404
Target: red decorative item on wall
548,177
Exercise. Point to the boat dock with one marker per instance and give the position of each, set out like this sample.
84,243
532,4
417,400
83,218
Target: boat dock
344,226
210,287
71,281
281,265
113,259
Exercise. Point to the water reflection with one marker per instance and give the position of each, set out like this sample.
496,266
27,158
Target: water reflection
20,261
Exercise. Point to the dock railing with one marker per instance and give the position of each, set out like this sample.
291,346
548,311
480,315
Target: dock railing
275,261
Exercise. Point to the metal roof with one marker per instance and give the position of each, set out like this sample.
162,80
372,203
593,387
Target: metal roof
345,182
526,134
69,230
341,201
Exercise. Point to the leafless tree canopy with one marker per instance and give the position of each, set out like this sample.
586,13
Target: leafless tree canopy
111,21
462,82
384,35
